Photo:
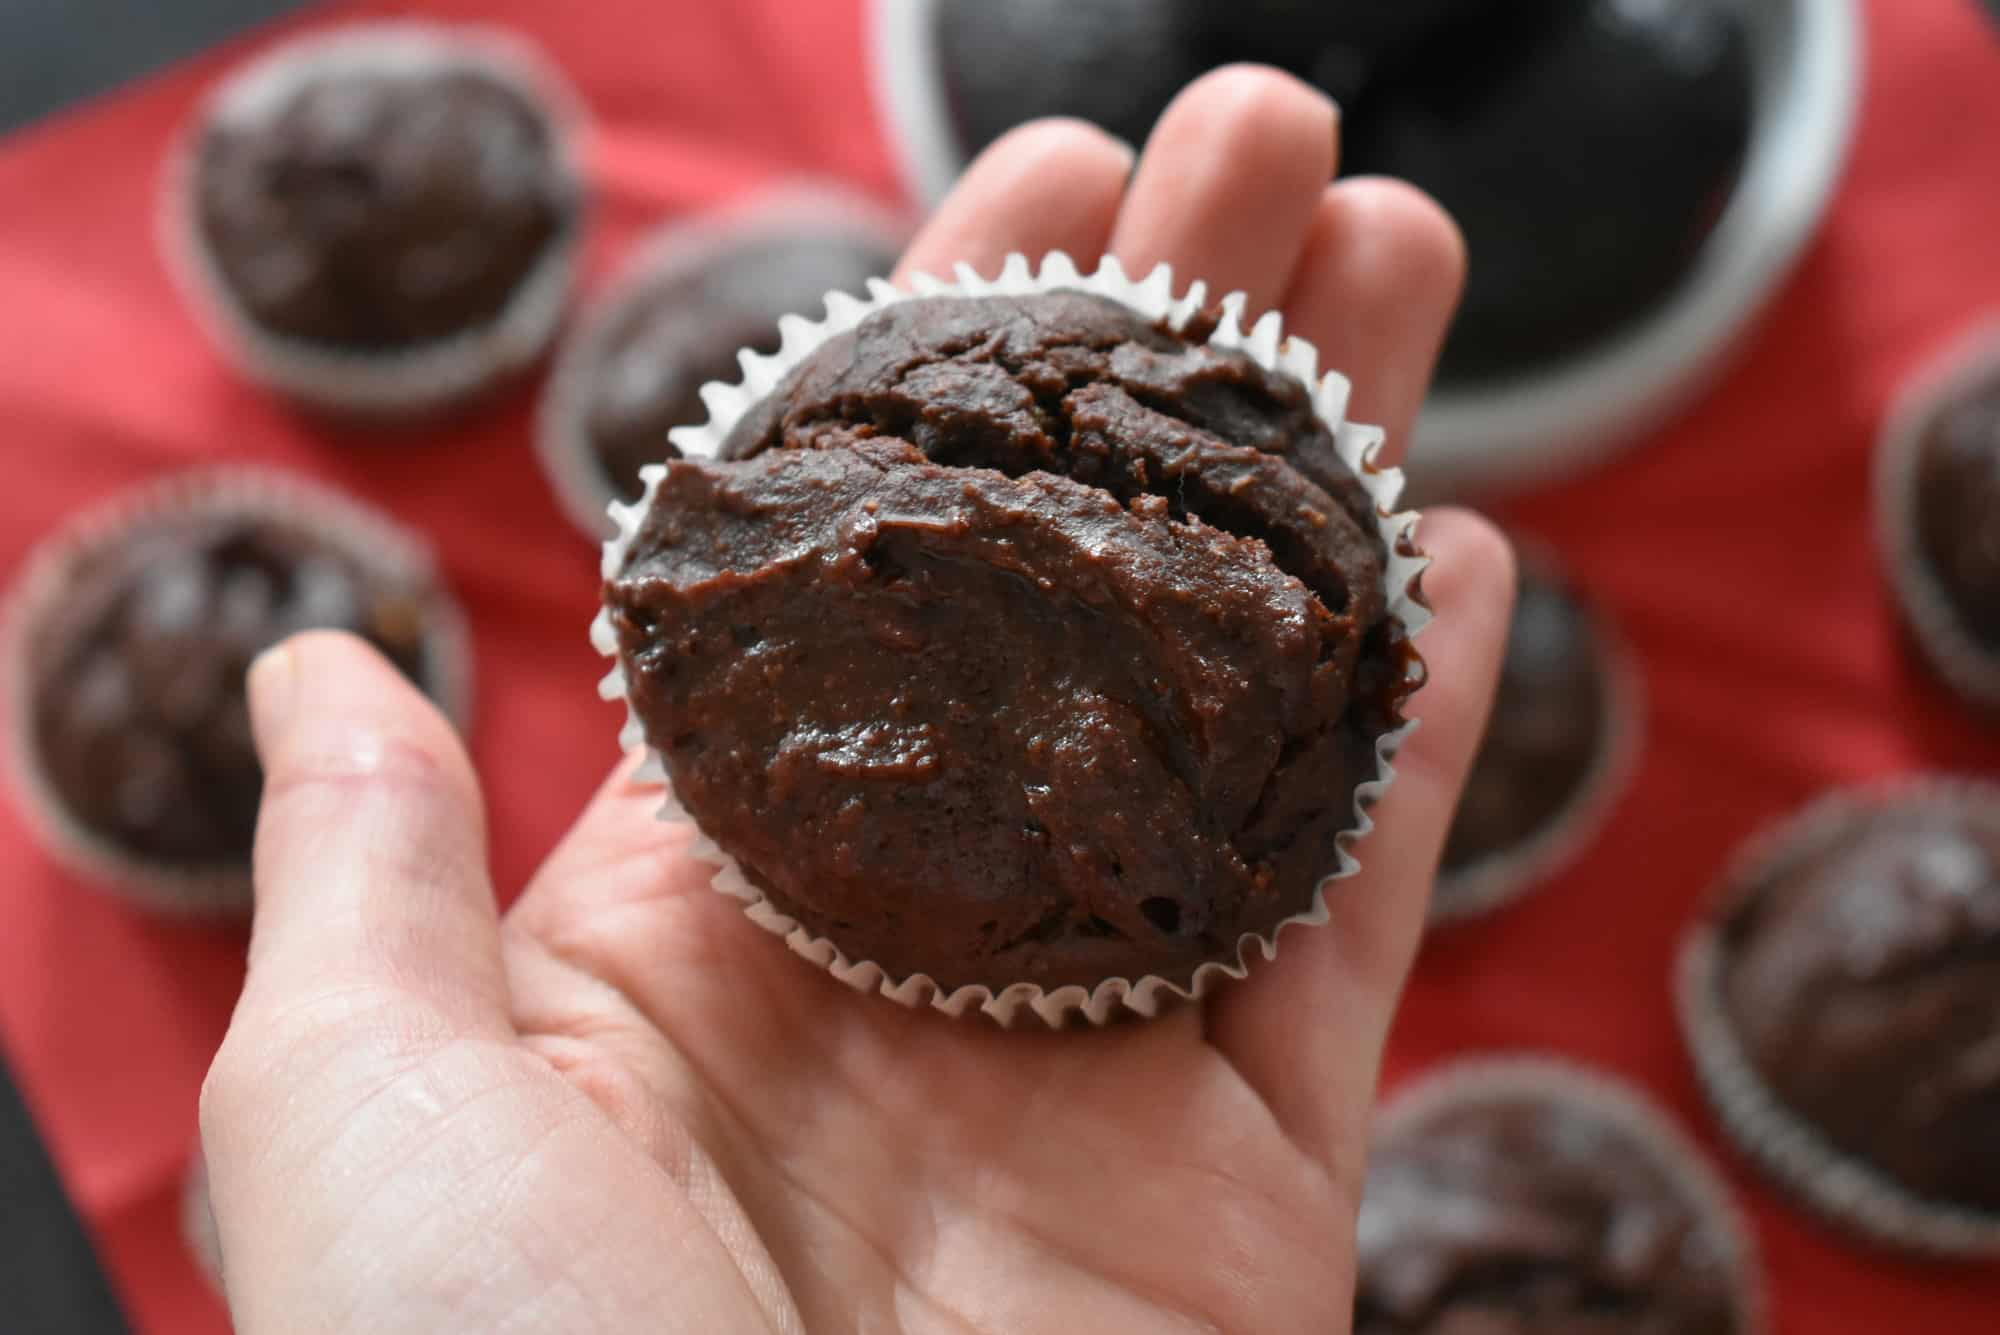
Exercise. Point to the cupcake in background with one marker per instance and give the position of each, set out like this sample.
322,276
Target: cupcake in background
1938,504
1524,1196
128,638
674,318
1557,751
1841,1000
381,220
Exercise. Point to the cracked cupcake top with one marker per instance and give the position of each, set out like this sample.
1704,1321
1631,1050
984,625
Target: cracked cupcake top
1018,639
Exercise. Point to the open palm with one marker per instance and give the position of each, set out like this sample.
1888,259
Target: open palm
623,1107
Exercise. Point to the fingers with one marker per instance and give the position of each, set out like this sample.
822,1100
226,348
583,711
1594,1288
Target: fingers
1048,185
1308,1030
371,845
1375,291
1226,190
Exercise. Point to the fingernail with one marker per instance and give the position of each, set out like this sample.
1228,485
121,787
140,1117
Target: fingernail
271,684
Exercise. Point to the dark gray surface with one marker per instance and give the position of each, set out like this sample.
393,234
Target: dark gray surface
49,1277
57,52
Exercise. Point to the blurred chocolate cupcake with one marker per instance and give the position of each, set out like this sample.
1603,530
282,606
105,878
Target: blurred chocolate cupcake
1520,1196
382,220
128,639
1842,1002
1585,147
693,297
1557,750
1938,493
1031,642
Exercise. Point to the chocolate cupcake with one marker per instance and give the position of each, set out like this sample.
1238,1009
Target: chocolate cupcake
1557,749
1515,1196
1586,147
1033,642
383,220
1939,502
129,636
1842,1002
674,320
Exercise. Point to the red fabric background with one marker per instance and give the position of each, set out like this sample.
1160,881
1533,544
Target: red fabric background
1734,550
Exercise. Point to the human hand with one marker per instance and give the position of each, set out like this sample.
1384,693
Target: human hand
623,1107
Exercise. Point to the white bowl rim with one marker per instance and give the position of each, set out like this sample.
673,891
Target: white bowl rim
1555,420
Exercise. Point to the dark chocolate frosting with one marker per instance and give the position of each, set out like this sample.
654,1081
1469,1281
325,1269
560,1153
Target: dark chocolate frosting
378,210
1546,731
1535,1215
1958,505
1863,981
1018,640
684,329
139,715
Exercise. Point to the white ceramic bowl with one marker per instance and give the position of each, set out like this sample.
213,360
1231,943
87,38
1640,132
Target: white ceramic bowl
1807,67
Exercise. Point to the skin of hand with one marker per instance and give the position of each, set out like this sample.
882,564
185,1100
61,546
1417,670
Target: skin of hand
622,1107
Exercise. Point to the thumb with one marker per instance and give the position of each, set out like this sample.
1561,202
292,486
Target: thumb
371,842
375,940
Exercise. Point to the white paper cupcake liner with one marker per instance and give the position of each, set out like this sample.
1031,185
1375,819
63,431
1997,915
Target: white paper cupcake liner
1622,1107
808,208
1967,666
396,383
1839,1187
365,535
1153,298
1501,877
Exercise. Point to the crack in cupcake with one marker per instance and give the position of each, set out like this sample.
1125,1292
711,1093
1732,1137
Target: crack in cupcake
1019,639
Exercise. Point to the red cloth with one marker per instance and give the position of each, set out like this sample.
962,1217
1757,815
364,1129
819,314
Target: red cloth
1734,550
